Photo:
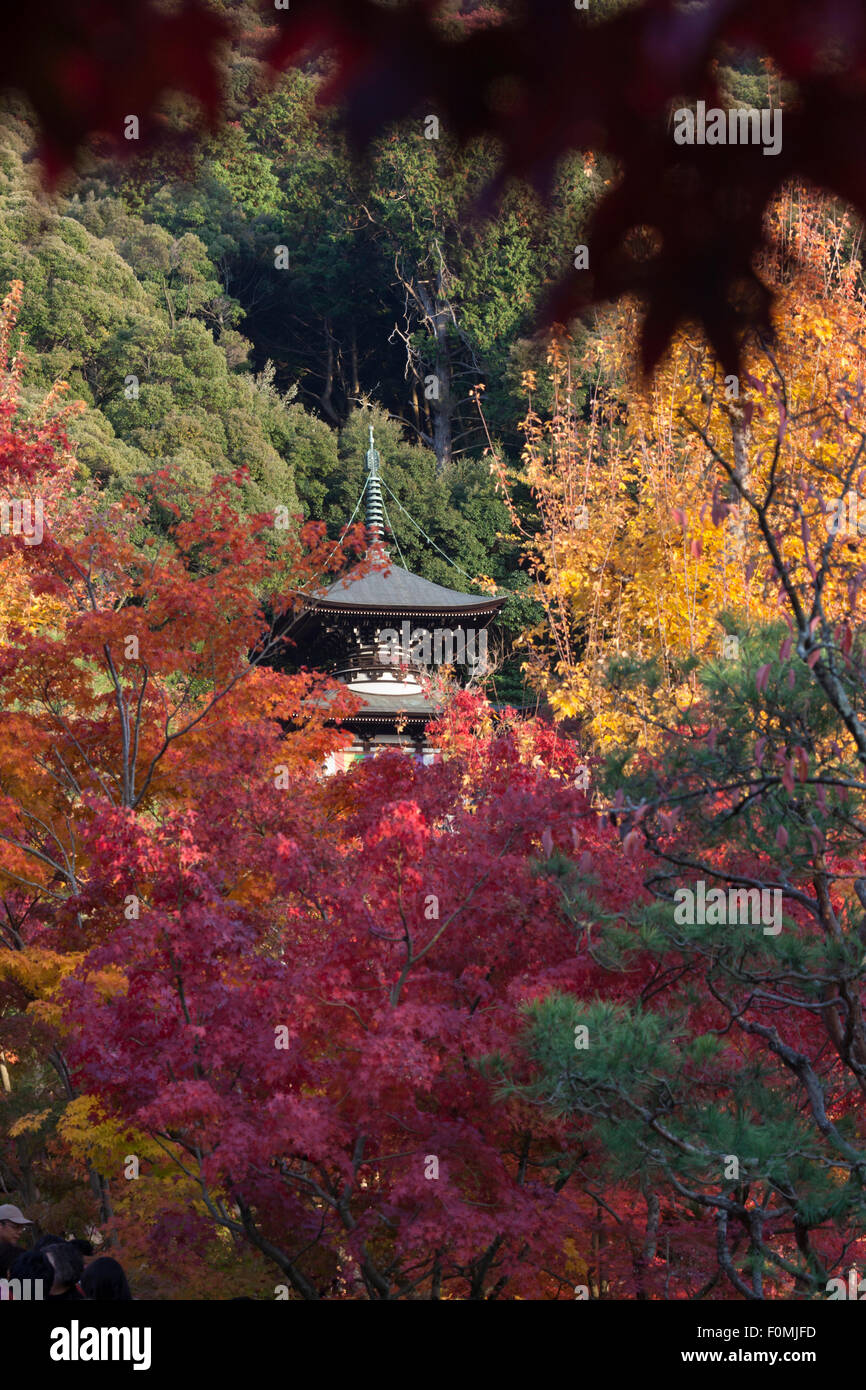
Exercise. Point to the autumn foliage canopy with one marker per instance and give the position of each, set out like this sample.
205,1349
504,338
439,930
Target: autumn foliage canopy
417,1031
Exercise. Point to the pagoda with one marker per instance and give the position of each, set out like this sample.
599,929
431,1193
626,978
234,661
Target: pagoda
382,632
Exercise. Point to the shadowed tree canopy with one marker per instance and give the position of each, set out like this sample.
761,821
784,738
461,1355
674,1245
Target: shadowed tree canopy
542,80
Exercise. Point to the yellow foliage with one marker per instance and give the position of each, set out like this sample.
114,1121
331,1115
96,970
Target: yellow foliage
643,543
28,1123
91,1134
40,972
577,1269
108,982
37,970
18,604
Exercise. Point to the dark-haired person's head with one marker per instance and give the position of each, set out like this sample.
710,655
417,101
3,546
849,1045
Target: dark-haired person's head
104,1279
85,1247
44,1241
68,1266
33,1264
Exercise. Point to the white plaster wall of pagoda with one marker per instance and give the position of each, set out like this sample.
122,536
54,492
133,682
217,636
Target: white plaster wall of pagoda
385,685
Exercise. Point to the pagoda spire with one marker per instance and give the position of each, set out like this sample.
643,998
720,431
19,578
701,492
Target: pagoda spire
375,511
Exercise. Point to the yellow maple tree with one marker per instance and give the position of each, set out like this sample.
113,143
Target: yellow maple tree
646,550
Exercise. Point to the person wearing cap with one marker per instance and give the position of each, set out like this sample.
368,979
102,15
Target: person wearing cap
12,1223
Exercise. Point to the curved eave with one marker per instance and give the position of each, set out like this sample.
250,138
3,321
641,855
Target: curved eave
475,610
385,719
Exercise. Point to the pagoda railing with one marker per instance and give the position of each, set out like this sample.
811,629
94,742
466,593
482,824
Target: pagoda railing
369,662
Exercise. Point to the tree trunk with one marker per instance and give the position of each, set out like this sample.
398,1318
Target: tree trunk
439,404
327,394
356,384
441,408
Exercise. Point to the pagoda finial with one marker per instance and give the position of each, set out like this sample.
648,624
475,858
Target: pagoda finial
375,516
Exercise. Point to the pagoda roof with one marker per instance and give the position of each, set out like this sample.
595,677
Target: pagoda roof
392,589
375,705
